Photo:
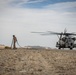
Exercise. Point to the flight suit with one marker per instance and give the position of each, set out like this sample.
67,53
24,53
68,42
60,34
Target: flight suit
14,42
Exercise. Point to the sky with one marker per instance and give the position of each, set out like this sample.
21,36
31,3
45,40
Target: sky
21,17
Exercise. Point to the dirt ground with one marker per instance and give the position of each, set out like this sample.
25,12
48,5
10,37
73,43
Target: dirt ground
37,62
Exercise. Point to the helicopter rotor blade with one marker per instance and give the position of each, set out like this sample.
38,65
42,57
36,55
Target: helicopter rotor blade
37,32
54,33
46,33
62,33
69,34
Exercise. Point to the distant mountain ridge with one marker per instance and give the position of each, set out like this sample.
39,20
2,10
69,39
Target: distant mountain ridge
37,47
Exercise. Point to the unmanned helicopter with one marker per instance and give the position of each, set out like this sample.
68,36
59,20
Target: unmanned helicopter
66,40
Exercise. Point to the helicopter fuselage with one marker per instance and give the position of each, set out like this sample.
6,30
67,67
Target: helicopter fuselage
66,42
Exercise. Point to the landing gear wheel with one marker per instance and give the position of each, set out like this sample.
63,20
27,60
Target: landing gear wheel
59,47
71,48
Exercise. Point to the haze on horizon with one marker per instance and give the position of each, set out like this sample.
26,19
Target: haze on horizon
21,17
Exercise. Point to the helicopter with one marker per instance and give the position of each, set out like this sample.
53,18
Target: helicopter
66,40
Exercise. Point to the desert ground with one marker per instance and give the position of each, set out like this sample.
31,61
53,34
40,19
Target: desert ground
37,62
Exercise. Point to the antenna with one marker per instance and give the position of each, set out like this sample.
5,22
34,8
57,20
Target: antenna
65,30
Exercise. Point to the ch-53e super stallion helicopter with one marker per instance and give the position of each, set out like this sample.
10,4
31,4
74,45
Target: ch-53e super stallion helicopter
66,40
